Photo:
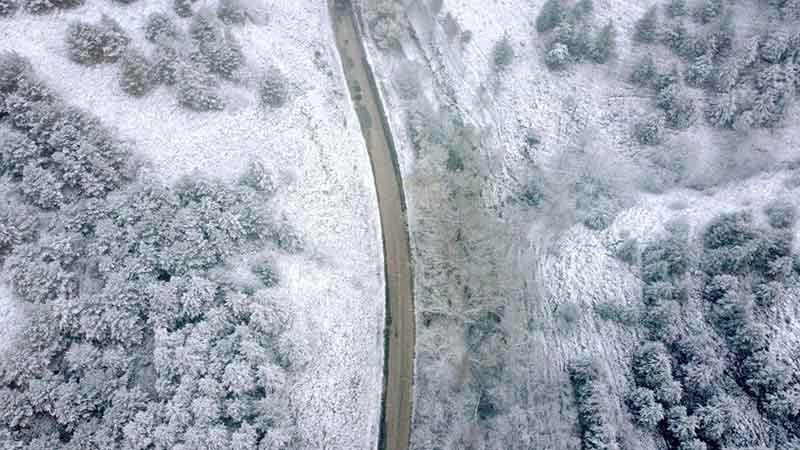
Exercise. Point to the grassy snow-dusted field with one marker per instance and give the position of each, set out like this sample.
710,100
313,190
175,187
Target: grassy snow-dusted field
314,146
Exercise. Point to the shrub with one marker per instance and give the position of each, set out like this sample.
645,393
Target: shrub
647,412
650,131
644,71
197,89
502,53
722,110
167,63
781,213
135,74
582,9
274,89
645,29
679,109
159,26
620,314
719,287
707,10
587,384
677,38
667,257
264,268
16,151
41,187
13,68
700,71
681,426
774,47
605,44
8,7
550,16
97,43
231,11
651,366
729,229
557,56
44,6
259,178
183,8
628,251
216,48
676,8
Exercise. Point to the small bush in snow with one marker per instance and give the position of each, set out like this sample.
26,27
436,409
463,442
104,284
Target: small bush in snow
781,214
773,47
135,74
502,53
644,71
605,44
679,109
43,6
707,10
274,89
231,11
258,177
16,151
159,26
699,73
215,47
166,63
646,28
13,68
198,90
550,16
557,56
183,8
41,187
650,131
582,10
721,111
264,268
647,412
676,8
94,43
8,7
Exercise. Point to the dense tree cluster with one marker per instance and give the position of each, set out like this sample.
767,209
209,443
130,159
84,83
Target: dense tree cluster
743,263
573,36
135,338
194,60
679,390
591,396
746,87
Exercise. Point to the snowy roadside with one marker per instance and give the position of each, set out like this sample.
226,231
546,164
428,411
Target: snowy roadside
326,188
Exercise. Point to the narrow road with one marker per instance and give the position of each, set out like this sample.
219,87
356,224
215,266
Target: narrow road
399,334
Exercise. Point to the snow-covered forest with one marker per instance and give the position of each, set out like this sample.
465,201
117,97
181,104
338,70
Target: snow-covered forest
602,201
189,234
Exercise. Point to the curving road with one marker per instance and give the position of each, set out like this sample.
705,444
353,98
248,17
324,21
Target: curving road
399,334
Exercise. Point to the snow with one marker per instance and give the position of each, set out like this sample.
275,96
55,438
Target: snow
336,286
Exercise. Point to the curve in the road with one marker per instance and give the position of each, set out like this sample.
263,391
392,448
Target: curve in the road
399,334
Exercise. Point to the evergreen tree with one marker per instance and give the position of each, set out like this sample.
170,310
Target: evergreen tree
646,28
605,44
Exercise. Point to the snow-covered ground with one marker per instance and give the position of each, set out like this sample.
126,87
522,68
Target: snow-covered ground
326,190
